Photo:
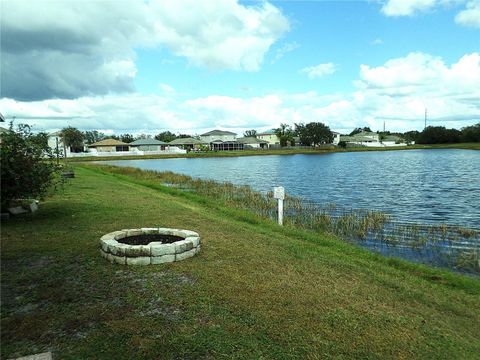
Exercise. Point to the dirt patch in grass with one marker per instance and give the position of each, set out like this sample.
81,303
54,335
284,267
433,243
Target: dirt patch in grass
146,239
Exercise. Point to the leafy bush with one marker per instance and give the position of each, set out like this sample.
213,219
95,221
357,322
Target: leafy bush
25,173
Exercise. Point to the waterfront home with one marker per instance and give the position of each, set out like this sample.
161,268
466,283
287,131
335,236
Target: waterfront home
253,142
187,143
371,139
110,145
269,136
149,145
219,145
218,135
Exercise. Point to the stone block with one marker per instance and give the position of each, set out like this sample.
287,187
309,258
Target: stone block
194,239
134,232
103,253
118,249
106,243
185,255
182,246
137,250
142,260
165,231
149,230
197,249
189,233
109,236
119,259
110,257
159,249
162,259
119,234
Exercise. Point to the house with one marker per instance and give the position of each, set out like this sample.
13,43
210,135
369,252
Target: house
149,145
110,145
219,145
269,136
253,142
187,143
336,138
55,142
215,135
371,139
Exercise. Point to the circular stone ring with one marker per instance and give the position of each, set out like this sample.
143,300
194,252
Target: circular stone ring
147,246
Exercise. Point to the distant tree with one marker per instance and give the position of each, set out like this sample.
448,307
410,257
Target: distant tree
127,138
314,133
439,135
93,136
471,133
250,133
166,136
411,136
73,138
284,133
359,130
41,140
342,144
183,136
25,173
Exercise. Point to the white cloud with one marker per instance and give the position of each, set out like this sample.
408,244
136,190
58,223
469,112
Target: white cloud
377,41
319,70
407,7
92,44
470,16
396,92
289,47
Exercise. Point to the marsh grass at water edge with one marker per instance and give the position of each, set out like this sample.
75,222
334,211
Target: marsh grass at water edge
449,246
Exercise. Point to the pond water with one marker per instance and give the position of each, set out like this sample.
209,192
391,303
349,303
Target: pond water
423,186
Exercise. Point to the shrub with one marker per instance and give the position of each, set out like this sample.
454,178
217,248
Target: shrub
25,173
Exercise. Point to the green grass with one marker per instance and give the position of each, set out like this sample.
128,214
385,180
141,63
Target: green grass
284,151
256,290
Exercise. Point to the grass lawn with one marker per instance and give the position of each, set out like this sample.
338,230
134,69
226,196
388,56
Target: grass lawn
255,291
284,151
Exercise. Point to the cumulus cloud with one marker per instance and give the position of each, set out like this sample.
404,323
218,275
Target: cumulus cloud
470,16
396,92
69,49
319,70
407,7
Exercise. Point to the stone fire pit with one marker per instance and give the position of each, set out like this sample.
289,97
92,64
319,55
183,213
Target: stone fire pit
147,246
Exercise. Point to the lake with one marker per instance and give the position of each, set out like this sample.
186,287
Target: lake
425,186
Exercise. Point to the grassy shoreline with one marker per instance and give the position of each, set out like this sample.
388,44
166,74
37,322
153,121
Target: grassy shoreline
255,291
325,150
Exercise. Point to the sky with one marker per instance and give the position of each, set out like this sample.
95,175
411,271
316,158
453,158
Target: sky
190,66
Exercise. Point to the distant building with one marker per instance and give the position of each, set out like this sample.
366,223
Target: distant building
149,145
55,143
371,139
336,138
269,136
216,135
187,143
253,142
110,145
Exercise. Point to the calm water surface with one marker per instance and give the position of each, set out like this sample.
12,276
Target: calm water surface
425,186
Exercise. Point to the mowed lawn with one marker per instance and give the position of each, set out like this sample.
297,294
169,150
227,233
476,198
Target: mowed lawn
256,290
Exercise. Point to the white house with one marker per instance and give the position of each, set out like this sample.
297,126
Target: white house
55,142
253,142
336,138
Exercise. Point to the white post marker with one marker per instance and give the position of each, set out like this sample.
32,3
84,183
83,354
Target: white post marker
279,193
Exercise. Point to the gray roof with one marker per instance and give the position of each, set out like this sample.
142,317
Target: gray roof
251,140
218,132
147,142
186,141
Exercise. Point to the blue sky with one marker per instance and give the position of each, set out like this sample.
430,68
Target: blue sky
145,67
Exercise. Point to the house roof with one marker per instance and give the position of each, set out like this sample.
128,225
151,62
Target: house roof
109,142
3,130
218,132
147,142
251,140
267,132
186,141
